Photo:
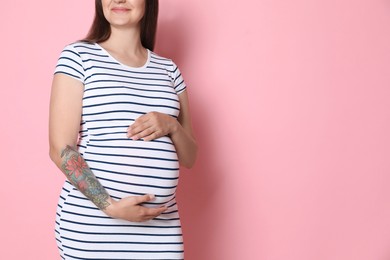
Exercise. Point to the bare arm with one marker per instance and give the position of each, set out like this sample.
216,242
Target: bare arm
64,124
153,125
182,134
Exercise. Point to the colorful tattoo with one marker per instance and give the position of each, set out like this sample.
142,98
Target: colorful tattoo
79,174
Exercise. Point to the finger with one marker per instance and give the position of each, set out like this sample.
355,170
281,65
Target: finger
134,130
139,121
146,132
154,212
144,198
152,136
142,119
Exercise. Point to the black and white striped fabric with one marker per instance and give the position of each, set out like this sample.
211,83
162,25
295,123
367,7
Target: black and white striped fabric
114,96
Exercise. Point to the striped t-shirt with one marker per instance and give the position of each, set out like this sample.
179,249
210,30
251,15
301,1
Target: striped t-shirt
114,96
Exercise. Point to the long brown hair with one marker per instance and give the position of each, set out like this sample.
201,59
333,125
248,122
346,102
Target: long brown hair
101,30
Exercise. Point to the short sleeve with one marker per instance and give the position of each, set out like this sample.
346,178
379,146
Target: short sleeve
70,63
178,82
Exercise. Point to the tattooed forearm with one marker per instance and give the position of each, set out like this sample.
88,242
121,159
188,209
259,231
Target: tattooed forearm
79,174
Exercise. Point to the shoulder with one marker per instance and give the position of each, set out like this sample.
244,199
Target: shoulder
71,60
80,52
172,70
164,62
80,47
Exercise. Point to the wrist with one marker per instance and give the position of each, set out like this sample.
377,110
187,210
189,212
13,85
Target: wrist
174,127
110,209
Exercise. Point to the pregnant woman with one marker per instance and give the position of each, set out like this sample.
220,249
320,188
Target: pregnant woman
119,129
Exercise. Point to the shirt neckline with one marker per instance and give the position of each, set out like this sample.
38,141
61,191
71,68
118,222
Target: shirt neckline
124,65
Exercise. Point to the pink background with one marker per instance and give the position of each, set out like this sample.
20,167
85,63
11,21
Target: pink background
290,104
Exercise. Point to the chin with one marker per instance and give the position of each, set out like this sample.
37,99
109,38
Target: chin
121,23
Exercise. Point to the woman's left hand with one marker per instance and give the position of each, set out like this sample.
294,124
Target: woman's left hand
151,126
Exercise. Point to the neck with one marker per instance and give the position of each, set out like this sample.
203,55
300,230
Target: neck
125,40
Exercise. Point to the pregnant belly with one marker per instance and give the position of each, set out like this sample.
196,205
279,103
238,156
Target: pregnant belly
130,168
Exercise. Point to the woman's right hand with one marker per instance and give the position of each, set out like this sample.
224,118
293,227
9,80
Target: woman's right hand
129,208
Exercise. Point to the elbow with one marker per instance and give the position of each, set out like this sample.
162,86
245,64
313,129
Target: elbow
53,154
190,162
190,165
187,165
